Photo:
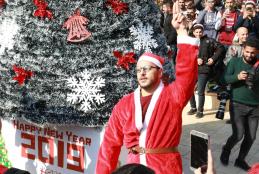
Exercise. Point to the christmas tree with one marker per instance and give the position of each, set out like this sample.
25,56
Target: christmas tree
3,154
73,73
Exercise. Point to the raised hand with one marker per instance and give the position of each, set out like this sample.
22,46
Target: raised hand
225,14
245,14
233,51
176,8
180,24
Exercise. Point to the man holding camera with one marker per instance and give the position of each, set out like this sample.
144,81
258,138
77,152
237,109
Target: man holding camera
249,19
242,74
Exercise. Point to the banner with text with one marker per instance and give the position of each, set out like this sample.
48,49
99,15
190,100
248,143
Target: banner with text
51,150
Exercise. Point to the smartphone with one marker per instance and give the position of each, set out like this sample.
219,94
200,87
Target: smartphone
199,149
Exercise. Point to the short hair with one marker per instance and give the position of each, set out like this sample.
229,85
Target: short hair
191,6
168,2
134,169
254,169
240,28
252,42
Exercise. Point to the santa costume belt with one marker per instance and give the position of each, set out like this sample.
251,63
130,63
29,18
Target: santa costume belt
142,150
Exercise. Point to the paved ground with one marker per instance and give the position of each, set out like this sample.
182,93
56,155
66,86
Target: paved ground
219,132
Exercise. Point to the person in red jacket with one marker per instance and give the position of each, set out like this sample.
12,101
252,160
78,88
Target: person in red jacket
148,121
228,18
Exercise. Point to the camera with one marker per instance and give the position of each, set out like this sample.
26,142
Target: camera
249,9
223,96
250,79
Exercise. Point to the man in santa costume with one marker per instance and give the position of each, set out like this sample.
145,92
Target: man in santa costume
149,120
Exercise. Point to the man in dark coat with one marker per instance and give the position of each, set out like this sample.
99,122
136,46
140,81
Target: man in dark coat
210,52
169,31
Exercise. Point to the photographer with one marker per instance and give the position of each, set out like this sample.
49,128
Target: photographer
244,102
249,19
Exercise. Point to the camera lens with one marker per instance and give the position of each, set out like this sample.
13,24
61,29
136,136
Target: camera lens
249,8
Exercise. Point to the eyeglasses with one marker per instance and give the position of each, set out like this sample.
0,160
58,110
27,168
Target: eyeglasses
146,68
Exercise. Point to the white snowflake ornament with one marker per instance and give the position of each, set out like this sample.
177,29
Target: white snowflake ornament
143,37
85,90
8,29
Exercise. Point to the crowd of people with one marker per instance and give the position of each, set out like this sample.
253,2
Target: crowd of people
228,32
223,27
211,40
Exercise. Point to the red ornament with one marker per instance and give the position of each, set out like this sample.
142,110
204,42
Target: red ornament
75,24
124,60
21,74
41,10
118,7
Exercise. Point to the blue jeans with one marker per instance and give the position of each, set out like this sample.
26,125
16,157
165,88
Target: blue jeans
244,119
202,81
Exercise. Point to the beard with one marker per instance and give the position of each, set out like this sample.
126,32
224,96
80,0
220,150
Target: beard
148,84
250,60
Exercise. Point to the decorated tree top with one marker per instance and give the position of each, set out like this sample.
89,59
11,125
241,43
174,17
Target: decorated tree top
63,82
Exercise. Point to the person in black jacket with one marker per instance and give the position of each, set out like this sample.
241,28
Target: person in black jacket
249,19
210,52
169,31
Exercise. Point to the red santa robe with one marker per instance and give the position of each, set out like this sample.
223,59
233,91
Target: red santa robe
162,126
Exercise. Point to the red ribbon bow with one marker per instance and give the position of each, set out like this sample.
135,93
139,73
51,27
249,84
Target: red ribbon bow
117,6
21,74
124,60
41,10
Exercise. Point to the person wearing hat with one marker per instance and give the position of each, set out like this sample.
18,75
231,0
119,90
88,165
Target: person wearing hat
210,52
249,19
148,121
228,18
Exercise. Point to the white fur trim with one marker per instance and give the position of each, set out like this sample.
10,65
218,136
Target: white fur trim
188,40
151,59
250,2
151,107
